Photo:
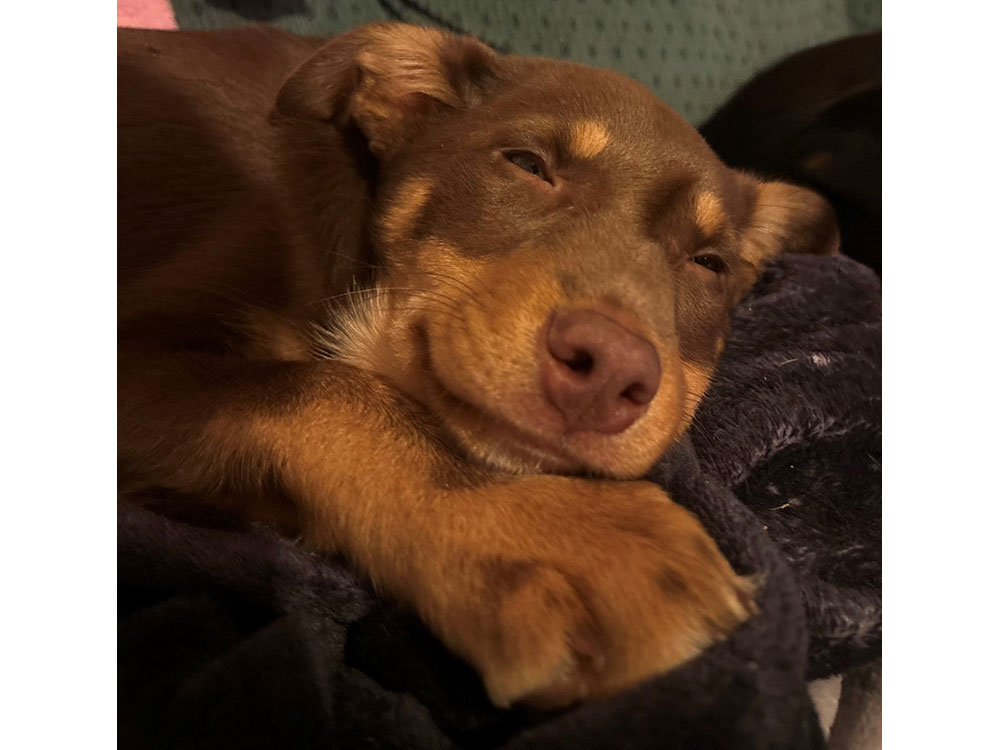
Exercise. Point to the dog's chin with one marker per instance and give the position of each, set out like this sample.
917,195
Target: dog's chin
522,433
504,442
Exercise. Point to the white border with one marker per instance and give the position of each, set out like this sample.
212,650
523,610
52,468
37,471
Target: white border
941,289
58,397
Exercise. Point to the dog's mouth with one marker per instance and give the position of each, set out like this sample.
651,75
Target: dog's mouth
499,442
488,437
503,441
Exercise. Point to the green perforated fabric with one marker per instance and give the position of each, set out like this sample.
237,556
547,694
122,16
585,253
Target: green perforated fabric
692,54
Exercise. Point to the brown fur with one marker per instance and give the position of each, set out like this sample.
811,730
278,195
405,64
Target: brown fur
333,275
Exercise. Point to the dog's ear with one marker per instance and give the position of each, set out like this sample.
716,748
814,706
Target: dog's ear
787,219
386,79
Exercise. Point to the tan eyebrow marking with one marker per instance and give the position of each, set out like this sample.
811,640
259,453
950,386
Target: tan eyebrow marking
587,138
403,210
708,213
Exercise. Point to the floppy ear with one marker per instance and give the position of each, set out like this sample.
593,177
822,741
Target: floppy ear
386,79
788,219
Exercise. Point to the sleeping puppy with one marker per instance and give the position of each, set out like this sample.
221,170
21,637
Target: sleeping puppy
435,309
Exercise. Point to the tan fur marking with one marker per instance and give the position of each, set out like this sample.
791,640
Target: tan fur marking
356,332
395,63
407,59
697,379
708,212
402,212
588,138
784,220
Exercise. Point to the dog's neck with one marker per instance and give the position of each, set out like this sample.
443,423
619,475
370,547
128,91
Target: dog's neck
321,167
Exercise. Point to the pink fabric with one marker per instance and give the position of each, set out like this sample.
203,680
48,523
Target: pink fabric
146,14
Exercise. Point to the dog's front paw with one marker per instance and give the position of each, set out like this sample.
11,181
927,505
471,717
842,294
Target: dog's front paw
573,589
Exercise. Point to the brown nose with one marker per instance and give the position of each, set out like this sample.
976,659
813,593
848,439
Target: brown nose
597,373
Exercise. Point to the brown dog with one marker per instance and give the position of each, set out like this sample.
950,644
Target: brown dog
387,292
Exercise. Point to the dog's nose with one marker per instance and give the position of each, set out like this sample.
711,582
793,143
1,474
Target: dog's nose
599,375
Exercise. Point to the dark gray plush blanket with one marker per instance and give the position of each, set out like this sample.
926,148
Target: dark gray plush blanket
234,637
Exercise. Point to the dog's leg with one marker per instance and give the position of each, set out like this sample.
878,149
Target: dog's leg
555,588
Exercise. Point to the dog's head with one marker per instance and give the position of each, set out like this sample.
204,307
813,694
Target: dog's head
559,251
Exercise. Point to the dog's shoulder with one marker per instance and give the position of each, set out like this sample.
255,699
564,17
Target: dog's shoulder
244,64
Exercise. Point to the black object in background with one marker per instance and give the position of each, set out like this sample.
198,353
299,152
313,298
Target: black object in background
815,119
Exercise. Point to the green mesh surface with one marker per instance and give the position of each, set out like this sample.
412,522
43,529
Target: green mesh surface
692,54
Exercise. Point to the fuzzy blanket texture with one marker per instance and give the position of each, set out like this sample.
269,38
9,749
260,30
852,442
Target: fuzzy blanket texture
235,637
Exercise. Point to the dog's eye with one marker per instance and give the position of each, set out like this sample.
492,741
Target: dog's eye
530,163
712,262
